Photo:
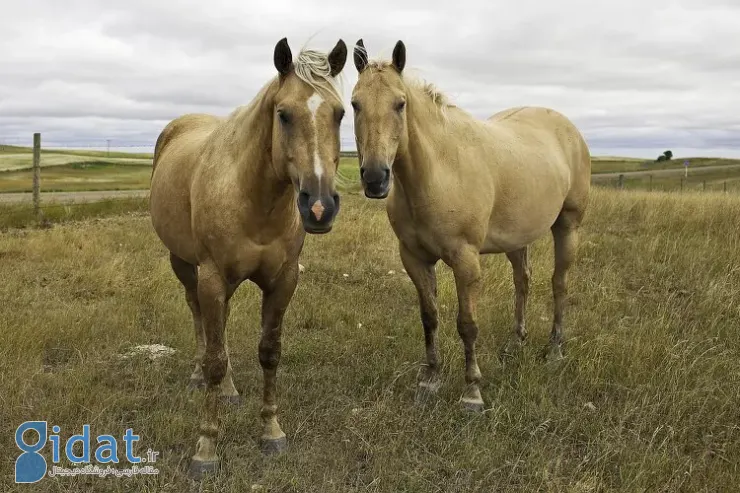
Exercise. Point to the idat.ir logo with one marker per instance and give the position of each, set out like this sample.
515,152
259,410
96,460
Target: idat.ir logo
31,466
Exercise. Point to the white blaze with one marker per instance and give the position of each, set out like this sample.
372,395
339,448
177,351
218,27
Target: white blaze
314,103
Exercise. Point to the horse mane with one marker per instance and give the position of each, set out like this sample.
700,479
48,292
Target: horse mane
426,89
313,68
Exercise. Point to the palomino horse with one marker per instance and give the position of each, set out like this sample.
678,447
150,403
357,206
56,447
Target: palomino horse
463,187
232,199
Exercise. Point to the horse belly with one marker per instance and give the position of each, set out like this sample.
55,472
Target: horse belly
514,227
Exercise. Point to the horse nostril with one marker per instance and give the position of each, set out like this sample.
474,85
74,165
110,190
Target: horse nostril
303,197
362,172
387,174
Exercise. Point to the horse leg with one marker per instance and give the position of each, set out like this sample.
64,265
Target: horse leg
275,301
213,298
424,278
520,265
565,236
187,274
465,265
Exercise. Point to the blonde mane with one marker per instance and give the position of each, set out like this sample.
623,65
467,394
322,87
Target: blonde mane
426,89
313,68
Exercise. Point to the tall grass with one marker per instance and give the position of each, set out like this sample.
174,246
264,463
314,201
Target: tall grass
647,399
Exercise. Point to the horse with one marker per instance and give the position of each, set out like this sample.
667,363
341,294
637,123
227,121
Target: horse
458,187
232,200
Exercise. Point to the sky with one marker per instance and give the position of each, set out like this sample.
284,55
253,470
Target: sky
636,77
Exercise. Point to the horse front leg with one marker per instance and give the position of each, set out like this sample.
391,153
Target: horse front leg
213,298
466,266
422,274
275,300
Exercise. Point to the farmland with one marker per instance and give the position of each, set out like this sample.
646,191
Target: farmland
648,397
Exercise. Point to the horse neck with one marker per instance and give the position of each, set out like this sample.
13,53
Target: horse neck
249,137
428,134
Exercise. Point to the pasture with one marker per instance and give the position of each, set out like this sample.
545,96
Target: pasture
647,399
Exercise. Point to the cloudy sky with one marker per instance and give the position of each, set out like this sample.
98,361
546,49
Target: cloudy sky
636,76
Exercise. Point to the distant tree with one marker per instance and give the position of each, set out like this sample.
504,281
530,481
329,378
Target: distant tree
668,155
661,158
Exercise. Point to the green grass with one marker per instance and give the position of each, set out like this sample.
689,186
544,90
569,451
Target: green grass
647,399
620,165
7,149
698,179
80,176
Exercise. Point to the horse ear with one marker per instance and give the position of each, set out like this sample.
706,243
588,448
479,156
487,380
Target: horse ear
337,58
399,56
283,58
360,56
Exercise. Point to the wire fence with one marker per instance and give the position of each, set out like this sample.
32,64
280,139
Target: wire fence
71,184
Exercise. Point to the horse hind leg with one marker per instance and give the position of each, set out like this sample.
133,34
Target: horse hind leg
565,234
187,274
520,266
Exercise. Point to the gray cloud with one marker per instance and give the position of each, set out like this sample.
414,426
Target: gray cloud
637,77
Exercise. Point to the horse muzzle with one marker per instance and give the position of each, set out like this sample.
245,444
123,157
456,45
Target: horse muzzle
318,213
376,181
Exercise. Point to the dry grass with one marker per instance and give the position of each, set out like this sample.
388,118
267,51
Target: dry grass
648,398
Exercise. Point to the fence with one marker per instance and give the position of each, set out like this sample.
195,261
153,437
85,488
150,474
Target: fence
707,180
710,180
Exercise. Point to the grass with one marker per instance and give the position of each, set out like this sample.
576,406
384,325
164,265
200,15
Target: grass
698,179
8,149
21,216
80,176
648,398
94,170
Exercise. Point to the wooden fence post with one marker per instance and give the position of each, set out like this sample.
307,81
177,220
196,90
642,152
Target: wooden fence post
704,185
620,183
651,183
36,172
725,187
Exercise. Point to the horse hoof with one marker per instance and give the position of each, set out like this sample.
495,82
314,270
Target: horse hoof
472,405
199,468
195,384
232,400
554,353
274,446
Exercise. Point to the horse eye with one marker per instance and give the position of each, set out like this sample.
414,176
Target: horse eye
400,106
284,116
355,106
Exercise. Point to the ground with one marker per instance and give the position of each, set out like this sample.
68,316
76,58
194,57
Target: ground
647,399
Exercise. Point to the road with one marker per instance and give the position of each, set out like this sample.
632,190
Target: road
67,197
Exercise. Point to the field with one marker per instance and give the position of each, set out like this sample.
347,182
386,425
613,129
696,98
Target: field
647,399
74,171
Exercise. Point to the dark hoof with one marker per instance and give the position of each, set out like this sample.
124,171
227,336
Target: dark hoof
232,400
472,406
196,383
199,468
274,446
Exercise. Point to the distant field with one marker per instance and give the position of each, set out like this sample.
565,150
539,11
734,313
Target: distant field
79,176
73,170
